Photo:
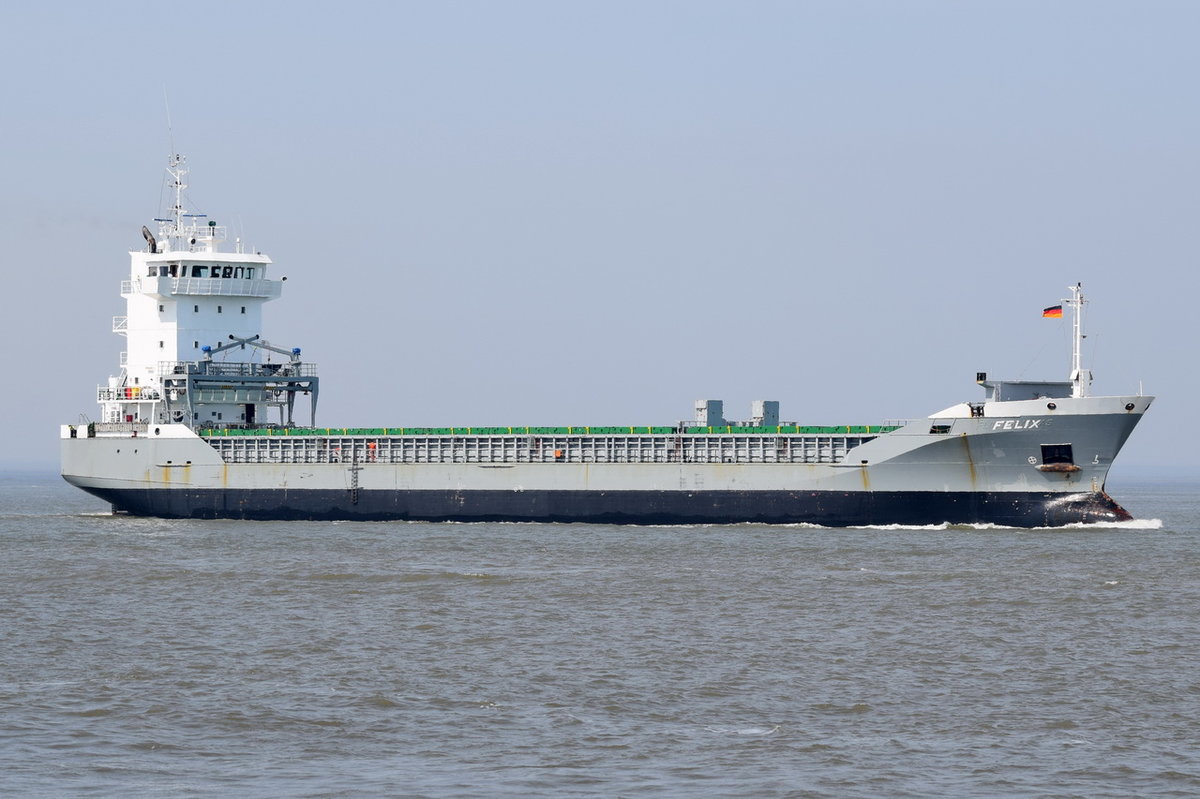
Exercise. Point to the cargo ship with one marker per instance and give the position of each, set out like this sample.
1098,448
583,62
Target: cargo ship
201,422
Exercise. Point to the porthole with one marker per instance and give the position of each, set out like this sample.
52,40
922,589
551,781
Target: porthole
1051,405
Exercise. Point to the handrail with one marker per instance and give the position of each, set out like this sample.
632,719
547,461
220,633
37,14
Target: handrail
848,431
127,394
236,369
212,286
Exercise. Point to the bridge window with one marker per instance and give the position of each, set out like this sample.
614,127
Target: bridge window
197,271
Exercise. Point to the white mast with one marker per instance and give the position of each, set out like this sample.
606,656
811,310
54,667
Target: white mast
172,230
1081,379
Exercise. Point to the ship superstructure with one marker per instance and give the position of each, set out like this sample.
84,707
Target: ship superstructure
200,423
194,351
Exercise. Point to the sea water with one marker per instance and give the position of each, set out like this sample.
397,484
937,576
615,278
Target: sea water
149,657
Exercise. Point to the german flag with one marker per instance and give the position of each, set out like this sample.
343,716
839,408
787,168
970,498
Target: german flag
1053,312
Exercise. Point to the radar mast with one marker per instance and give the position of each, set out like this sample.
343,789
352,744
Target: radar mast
1081,379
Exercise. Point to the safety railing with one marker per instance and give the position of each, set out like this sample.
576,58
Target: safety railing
127,394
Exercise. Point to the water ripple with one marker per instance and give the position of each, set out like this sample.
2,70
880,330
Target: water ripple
154,657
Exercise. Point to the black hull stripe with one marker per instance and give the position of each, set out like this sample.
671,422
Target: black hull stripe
829,508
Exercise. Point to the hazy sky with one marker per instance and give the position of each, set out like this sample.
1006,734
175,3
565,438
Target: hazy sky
545,213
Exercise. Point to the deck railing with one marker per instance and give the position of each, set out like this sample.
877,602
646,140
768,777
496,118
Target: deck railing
236,369
127,394
210,286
